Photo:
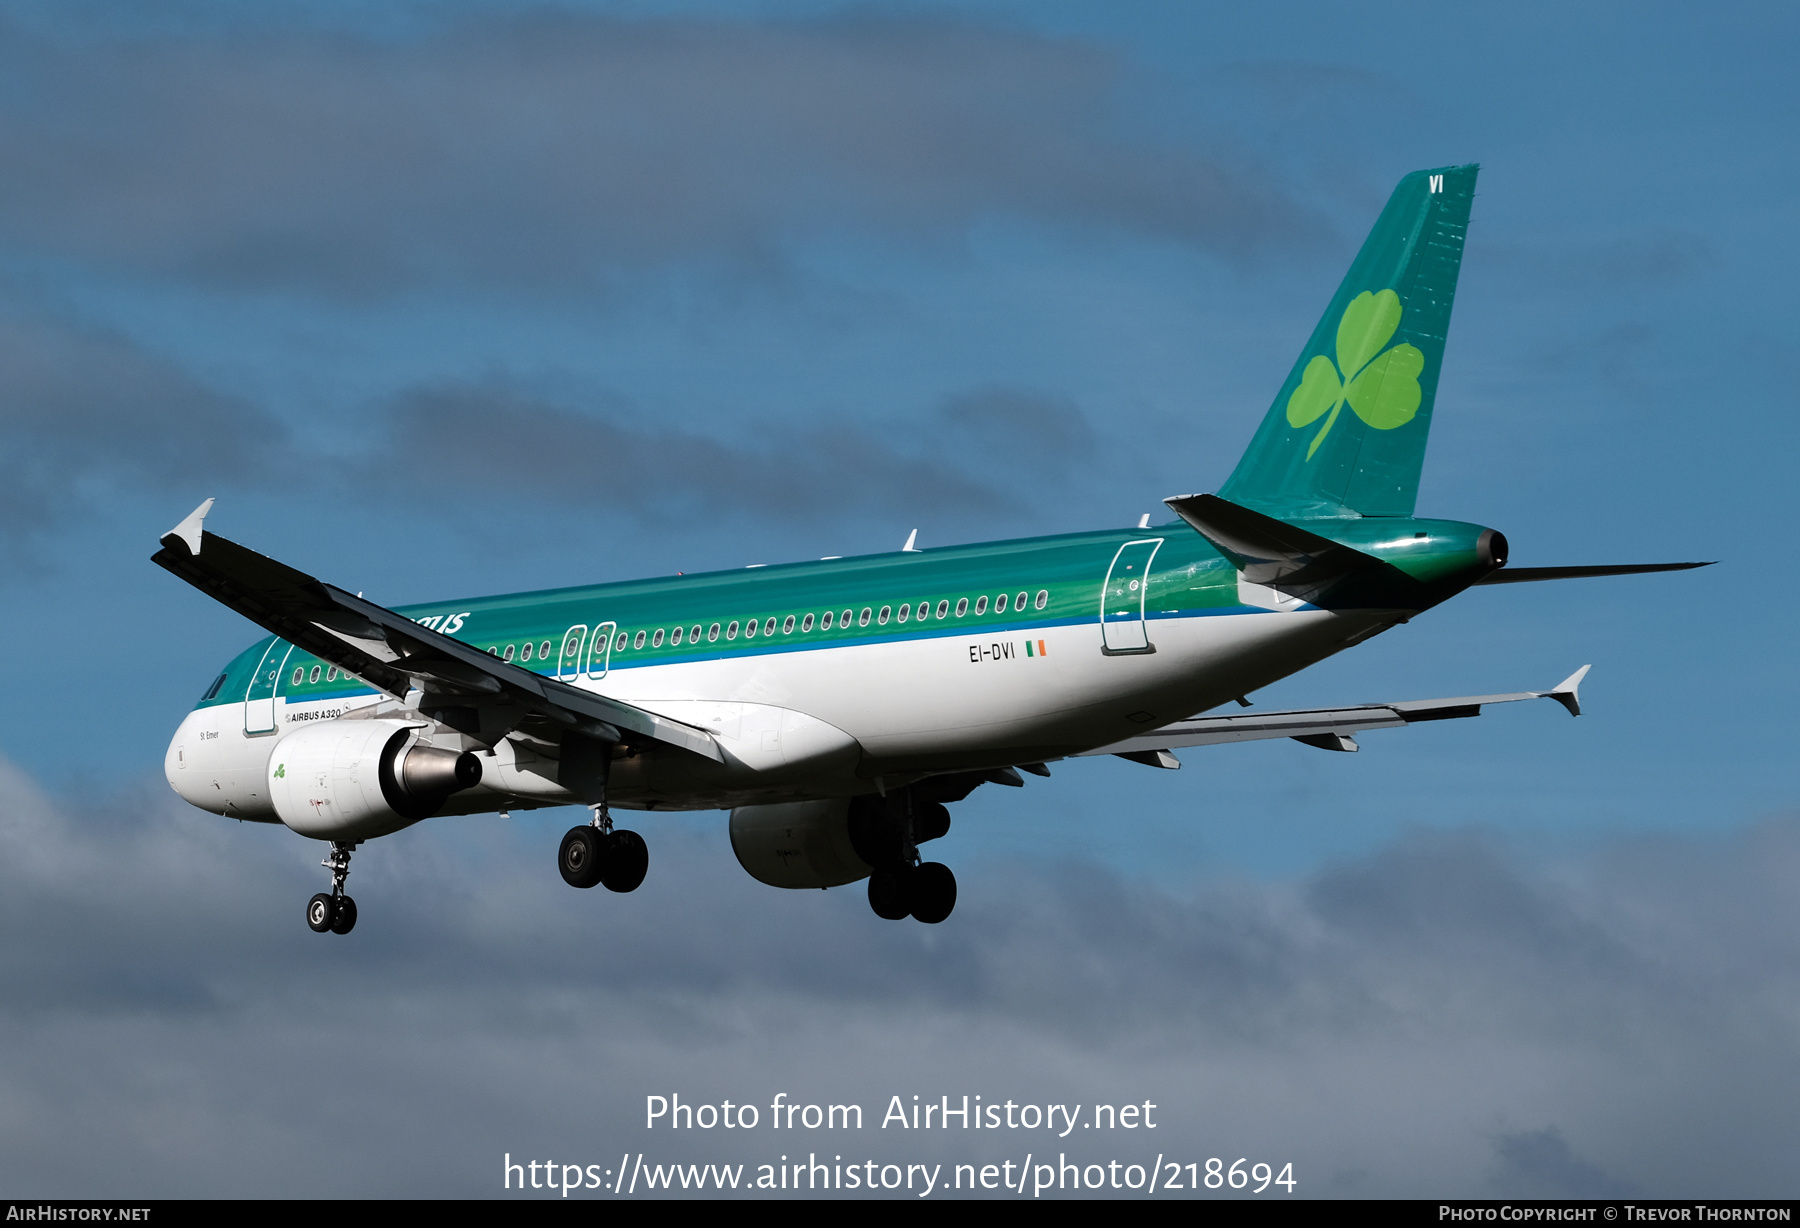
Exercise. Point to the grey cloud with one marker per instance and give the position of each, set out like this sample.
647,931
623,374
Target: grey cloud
1020,428
1441,1018
988,453
1539,1163
553,148
84,412
1641,262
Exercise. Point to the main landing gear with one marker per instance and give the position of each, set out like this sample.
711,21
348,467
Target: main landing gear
336,911
596,854
925,892
886,833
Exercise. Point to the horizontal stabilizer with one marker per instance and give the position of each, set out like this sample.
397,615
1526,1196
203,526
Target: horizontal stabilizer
1287,558
1525,575
1271,552
395,654
1328,728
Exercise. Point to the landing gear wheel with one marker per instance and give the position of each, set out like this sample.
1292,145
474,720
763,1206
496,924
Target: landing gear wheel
321,911
344,918
933,892
626,862
890,892
582,856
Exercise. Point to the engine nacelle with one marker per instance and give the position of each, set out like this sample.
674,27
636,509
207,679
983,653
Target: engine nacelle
797,844
355,780
829,843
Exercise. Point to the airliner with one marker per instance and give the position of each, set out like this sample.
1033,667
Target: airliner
838,707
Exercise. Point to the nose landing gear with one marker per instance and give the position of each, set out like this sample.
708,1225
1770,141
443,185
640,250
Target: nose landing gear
334,912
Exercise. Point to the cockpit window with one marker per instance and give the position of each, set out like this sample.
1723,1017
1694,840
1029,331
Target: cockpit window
213,690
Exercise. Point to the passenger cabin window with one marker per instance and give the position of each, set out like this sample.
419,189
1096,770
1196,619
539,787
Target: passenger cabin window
787,625
331,674
572,645
825,623
882,617
657,639
943,609
1019,602
313,674
863,618
1043,598
619,644
638,640
731,631
806,624
525,652
694,633
962,607
544,650
1000,604
769,627
981,604
712,633
508,654
299,674
844,619
750,628
904,614
924,610
675,637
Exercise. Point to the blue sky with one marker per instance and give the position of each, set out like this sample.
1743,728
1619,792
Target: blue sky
483,297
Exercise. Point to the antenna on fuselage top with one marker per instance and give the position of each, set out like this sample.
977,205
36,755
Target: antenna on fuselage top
909,547
1144,521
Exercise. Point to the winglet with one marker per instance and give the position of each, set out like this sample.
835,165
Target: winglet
188,531
1567,692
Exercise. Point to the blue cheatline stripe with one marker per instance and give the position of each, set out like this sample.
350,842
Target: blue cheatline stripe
794,643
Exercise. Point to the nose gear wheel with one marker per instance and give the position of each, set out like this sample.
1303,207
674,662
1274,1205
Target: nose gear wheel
334,912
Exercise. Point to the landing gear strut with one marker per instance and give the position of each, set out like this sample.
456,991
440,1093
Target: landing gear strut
886,834
336,911
596,854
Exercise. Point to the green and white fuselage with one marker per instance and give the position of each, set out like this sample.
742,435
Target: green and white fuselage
821,679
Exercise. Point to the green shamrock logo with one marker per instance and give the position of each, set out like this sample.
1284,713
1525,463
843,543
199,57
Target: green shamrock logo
281,770
1384,392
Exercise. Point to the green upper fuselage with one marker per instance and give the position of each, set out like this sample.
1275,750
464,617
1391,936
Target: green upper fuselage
830,603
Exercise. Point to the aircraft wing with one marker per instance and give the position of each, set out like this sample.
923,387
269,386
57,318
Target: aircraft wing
1327,728
395,654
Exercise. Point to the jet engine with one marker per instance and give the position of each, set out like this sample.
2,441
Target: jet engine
797,844
829,843
355,780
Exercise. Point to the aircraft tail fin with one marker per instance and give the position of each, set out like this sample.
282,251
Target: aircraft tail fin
1346,434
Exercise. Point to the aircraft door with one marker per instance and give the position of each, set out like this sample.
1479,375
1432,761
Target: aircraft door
600,651
259,697
568,667
1122,597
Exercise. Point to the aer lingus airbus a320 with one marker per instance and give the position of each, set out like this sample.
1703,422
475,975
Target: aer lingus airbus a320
835,707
